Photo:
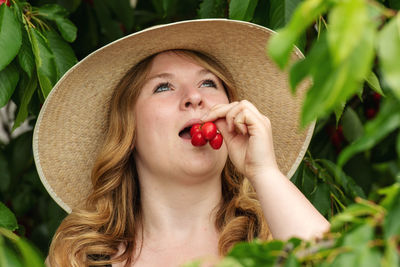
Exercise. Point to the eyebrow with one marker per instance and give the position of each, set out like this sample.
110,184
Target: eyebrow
166,75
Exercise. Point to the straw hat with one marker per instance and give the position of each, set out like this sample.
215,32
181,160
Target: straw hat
71,125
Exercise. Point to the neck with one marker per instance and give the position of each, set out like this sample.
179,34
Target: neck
176,209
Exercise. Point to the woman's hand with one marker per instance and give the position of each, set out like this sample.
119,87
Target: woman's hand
248,136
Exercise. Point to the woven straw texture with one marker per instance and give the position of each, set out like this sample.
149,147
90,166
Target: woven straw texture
71,125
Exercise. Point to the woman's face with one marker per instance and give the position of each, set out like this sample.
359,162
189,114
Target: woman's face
176,94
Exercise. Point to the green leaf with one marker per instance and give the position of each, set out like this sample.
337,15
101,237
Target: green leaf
28,87
58,14
347,21
346,182
7,218
63,54
280,45
9,77
5,177
25,56
30,254
398,145
242,9
212,9
391,224
387,120
391,256
108,26
321,199
67,29
10,36
354,214
7,256
257,253
395,4
389,53
52,11
373,82
45,62
281,12
353,128
333,85
123,11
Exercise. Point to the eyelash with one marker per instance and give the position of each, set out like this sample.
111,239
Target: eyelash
210,83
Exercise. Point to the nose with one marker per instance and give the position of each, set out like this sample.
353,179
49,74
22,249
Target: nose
191,98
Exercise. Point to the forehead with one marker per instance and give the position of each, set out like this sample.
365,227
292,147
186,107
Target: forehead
170,60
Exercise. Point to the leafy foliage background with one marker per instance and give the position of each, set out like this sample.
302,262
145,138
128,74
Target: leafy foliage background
351,172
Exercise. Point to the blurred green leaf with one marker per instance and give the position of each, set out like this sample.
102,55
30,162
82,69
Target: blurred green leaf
25,56
387,120
123,11
5,177
10,36
45,62
355,214
332,85
63,54
9,77
257,253
7,218
28,88
373,82
389,53
242,9
398,145
52,11
391,225
28,254
8,258
166,8
353,128
212,9
108,26
395,4
281,45
281,12
347,21
391,256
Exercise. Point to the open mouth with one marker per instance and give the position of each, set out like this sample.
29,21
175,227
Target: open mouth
185,133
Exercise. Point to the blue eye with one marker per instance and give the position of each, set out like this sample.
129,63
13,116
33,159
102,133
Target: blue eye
209,83
162,87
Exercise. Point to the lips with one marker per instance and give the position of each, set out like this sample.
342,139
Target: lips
185,131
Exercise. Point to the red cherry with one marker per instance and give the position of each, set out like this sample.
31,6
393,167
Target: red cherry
209,130
195,129
8,3
216,142
198,139
370,113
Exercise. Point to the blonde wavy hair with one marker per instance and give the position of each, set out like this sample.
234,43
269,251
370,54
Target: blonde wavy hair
91,236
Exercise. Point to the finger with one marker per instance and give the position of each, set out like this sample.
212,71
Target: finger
251,116
218,111
240,124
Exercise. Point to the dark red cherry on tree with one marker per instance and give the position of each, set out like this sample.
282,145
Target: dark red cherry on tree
8,3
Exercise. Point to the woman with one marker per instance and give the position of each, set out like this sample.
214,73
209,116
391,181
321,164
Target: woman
156,200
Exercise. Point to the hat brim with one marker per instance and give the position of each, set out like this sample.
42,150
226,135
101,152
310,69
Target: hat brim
72,123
